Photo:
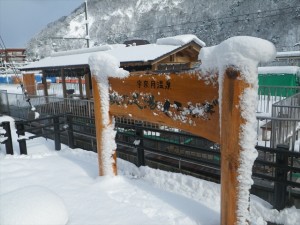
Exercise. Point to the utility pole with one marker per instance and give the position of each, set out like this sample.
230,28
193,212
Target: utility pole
87,37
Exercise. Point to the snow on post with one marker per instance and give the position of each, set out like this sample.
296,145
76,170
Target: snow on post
103,66
236,60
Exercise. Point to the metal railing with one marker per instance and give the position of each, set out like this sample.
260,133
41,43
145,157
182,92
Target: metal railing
282,127
17,106
55,89
268,95
286,122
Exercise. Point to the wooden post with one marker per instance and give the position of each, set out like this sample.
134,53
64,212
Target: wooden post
29,83
80,87
100,126
45,86
87,86
63,81
231,121
8,141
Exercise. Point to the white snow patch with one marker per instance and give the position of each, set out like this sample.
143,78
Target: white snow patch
82,51
136,196
104,65
279,70
288,54
243,52
180,40
34,205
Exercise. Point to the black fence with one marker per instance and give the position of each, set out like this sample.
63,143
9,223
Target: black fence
276,172
47,127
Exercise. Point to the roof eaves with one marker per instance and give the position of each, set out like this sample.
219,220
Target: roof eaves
174,51
53,67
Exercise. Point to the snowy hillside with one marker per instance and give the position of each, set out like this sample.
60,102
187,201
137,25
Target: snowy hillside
114,21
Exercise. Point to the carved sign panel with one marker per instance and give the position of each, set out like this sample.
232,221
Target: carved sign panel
187,101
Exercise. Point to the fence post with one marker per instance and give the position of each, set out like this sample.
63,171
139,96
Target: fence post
70,130
8,141
7,100
22,142
56,133
139,132
281,177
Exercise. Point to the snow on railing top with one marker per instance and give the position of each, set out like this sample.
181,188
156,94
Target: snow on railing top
288,54
279,70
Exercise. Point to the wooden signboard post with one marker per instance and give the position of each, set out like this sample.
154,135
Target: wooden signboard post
189,102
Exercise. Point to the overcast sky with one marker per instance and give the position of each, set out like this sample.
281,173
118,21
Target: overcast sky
22,19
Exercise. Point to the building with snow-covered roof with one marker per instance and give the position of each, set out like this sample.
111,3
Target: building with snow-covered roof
167,54
288,58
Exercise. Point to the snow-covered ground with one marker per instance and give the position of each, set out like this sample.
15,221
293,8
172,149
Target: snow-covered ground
68,180
63,187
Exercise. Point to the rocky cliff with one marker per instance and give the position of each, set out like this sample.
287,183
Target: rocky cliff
115,21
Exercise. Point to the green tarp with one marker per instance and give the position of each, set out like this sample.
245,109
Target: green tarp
290,80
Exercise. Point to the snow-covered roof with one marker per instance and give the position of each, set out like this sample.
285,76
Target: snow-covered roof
180,40
279,70
140,53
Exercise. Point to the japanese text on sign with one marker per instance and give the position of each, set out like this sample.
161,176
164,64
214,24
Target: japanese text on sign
154,84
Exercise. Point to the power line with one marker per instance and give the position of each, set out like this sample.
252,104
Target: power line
220,18
216,20
203,24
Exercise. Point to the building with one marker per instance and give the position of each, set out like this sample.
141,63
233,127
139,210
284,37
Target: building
12,55
167,54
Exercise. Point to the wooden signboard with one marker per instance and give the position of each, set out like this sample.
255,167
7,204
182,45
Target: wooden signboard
184,101
189,102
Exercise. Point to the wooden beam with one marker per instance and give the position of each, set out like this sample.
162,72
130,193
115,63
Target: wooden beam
231,123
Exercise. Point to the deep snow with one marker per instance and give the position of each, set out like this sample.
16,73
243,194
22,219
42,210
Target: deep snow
136,196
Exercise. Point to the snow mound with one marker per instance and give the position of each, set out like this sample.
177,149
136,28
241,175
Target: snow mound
104,65
34,205
180,40
237,51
